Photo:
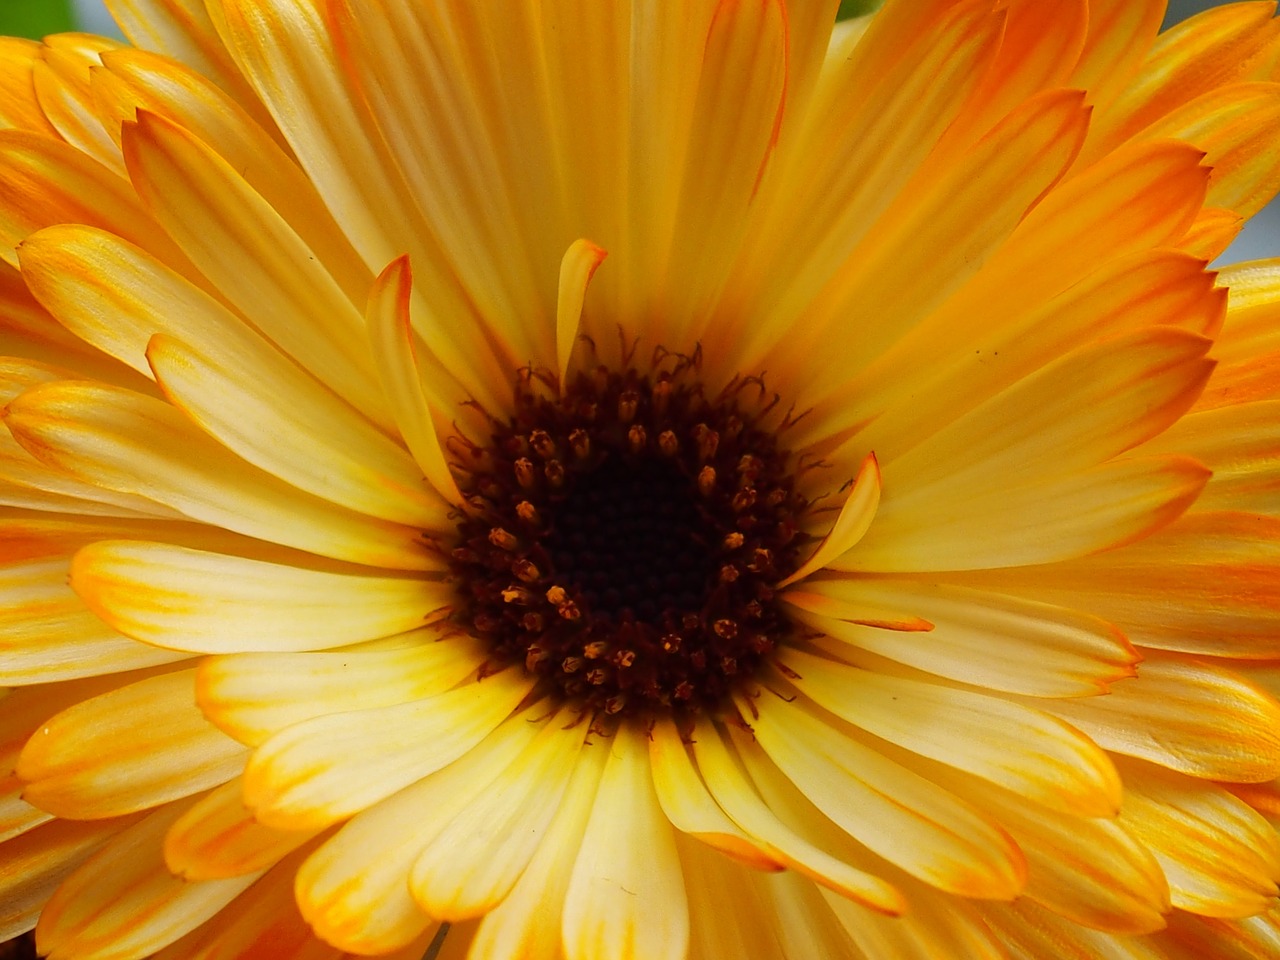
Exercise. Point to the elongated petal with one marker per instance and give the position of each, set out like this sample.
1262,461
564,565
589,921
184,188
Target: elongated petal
127,750
473,862
896,813
135,444
1025,751
219,838
1222,859
855,519
211,603
580,263
689,806
252,696
1189,716
318,771
378,913
626,896
982,638
123,903
729,784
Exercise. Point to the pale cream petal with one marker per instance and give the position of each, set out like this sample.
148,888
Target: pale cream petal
579,265
729,784
122,903
470,866
47,634
245,138
896,813
851,525
1221,858
397,357
687,803
626,899
136,747
980,637
281,421
376,913
252,696
35,864
1028,752
526,924
219,838
138,445
324,769
255,258
212,603
1191,716
263,923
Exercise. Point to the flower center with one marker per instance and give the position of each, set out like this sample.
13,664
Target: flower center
622,538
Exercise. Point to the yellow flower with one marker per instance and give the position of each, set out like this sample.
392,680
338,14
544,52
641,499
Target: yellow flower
641,480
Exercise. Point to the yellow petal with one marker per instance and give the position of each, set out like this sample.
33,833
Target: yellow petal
981,638
1023,750
626,896
123,903
580,263
855,519
133,748
252,696
1179,713
321,770
898,814
135,444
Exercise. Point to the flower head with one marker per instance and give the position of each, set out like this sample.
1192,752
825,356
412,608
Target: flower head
600,480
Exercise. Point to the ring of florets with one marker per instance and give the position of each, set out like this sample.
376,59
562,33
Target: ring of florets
622,537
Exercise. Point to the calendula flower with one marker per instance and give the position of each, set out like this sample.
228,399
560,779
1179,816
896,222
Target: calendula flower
640,480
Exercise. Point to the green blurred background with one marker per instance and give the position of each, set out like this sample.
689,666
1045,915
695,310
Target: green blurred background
35,18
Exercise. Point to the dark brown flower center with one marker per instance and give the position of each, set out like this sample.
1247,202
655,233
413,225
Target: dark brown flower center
623,537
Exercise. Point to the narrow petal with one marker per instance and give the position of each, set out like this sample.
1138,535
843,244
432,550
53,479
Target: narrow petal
396,356
626,896
1205,585
62,83
580,263
257,261
1025,751
18,105
853,522
133,748
219,838
729,784
123,902
981,638
689,806
376,913
1120,34
321,770
1180,714
1222,859
526,924
470,866
47,634
898,814
211,603
252,696
37,862
281,421
138,445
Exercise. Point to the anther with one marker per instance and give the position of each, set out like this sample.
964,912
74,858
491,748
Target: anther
726,629
554,472
729,573
556,595
542,444
526,475
707,481
514,594
668,443
502,539
527,512
595,649
708,440
628,402
580,441
526,570
732,541
637,439
571,664
744,499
